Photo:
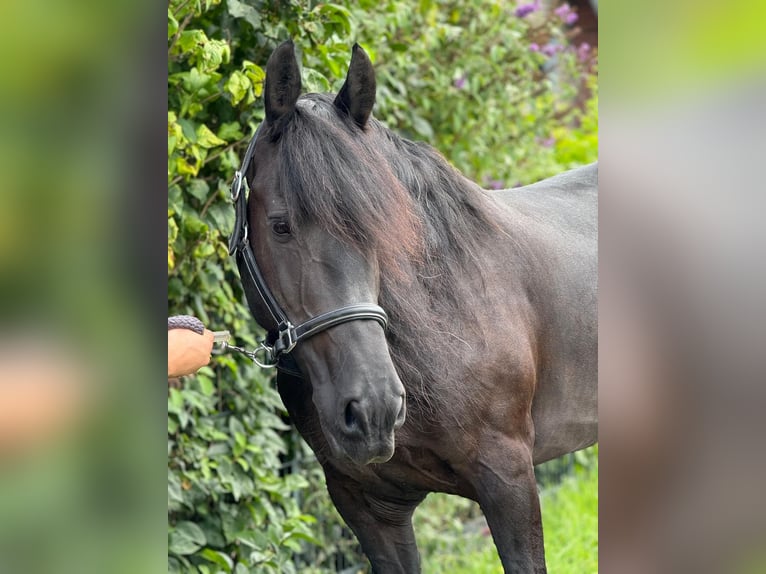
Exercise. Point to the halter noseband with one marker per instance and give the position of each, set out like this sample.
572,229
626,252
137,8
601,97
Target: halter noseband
281,341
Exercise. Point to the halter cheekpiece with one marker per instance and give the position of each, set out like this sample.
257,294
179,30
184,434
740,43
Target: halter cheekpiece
282,340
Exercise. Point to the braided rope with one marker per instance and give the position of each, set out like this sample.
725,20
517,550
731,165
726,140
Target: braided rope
186,322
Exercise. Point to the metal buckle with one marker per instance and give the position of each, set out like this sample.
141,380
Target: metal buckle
286,337
236,185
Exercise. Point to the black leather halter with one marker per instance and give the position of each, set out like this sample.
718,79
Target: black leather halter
281,341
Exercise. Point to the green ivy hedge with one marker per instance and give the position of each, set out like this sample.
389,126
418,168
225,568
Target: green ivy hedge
460,75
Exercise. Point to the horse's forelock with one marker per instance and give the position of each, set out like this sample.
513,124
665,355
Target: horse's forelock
333,175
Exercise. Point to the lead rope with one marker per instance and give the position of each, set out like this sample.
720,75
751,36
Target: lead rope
186,322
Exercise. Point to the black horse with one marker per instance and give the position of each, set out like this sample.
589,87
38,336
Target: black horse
467,348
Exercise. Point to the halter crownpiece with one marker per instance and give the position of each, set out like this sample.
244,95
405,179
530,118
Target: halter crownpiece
282,340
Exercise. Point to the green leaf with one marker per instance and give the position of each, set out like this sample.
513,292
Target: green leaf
175,201
307,537
190,39
188,129
292,544
172,230
203,250
222,217
215,53
248,13
172,24
230,131
422,127
206,138
256,75
175,400
315,81
218,448
218,558
174,489
198,188
206,385
194,80
236,426
183,167
194,228
237,85
187,538
336,14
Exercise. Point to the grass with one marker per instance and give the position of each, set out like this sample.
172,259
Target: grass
452,537
570,524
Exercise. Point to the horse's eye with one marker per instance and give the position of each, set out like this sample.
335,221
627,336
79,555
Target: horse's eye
281,228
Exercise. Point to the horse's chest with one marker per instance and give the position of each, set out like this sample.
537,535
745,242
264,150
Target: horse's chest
412,469
415,466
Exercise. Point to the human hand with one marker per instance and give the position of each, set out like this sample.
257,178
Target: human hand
188,351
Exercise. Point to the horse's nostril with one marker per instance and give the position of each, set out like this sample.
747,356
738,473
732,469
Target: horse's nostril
352,422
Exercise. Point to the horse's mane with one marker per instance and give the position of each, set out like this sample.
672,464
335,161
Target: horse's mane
402,203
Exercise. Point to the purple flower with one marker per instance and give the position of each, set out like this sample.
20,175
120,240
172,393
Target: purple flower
459,83
563,10
550,49
526,9
548,142
583,51
566,14
494,183
533,47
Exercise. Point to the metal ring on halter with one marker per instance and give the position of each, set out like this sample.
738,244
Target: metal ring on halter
269,353
236,185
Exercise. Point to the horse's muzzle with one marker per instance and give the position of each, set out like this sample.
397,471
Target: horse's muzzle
367,429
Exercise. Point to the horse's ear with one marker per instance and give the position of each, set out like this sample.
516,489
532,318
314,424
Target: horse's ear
357,96
283,82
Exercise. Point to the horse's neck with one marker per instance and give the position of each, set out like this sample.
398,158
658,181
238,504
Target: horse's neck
446,309
472,245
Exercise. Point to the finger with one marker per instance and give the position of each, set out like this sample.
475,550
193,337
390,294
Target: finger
209,341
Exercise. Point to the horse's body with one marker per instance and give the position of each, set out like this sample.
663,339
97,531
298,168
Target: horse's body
543,339
492,334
